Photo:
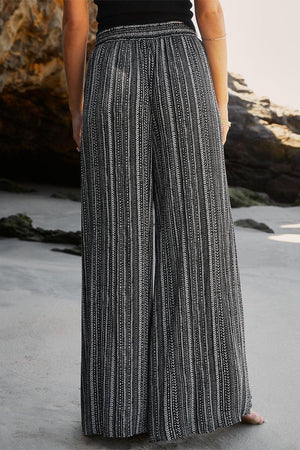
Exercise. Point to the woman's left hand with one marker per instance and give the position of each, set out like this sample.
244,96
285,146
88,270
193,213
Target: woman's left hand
223,110
225,129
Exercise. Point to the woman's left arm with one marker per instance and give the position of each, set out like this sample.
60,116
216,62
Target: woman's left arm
75,28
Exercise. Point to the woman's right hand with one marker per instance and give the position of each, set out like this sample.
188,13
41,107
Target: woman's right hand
77,125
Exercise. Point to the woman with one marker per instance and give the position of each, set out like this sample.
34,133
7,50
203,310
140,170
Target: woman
166,356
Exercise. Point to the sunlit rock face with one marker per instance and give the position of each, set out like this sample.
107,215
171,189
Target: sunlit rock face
35,123
262,149
263,144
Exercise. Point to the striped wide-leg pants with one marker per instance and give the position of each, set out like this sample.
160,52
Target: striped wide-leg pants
163,345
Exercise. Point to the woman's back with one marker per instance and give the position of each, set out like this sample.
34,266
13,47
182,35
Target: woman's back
114,13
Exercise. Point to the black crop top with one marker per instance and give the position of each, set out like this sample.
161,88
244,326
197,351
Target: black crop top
113,13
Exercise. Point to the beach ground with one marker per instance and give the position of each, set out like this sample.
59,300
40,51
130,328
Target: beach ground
40,333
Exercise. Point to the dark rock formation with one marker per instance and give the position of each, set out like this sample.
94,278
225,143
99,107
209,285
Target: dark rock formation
35,123
11,186
240,196
262,149
251,223
69,195
20,226
75,250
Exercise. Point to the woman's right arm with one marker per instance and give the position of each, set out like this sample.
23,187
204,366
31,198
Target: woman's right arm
75,29
210,20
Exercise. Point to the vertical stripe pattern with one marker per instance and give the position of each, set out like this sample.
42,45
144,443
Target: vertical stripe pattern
164,355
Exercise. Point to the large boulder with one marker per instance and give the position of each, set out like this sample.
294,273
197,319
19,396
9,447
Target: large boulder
35,123
262,149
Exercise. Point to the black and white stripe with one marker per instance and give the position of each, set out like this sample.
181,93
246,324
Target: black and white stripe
169,360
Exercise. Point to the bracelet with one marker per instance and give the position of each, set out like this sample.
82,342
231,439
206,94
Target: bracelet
214,39
226,122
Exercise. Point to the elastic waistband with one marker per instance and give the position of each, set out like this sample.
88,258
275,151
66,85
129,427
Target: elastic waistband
145,30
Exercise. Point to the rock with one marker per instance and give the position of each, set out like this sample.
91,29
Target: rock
240,196
20,226
251,223
262,149
11,186
36,128
76,250
69,195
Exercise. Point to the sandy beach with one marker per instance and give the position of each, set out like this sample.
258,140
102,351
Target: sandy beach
40,333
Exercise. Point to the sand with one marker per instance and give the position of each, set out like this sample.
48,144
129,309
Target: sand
40,333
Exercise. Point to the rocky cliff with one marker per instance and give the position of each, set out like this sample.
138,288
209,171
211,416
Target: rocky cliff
263,145
262,149
35,124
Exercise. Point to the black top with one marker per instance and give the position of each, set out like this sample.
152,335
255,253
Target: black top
113,13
